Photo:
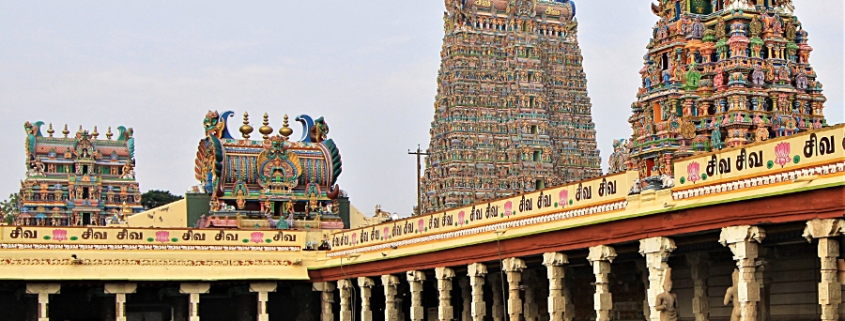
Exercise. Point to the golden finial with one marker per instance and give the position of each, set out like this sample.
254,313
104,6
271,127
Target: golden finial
109,134
80,129
266,130
246,129
95,133
65,131
285,130
50,130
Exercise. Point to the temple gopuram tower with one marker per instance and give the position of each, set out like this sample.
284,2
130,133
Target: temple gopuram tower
79,179
512,113
721,74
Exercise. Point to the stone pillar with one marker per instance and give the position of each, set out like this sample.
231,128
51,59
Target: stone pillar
444,288
476,272
193,290
415,281
656,251
830,291
497,310
366,287
390,283
120,290
43,290
642,268
513,268
699,263
529,309
600,258
326,290
263,289
560,306
345,287
743,241
466,297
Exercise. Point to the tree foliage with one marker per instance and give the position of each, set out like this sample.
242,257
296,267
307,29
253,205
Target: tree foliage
10,207
155,198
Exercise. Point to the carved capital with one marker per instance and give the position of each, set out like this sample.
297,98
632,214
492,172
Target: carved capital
741,233
194,288
123,288
365,282
263,287
43,288
555,259
390,280
513,264
415,276
323,287
601,253
476,270
823,228
344,284
444,273
657,245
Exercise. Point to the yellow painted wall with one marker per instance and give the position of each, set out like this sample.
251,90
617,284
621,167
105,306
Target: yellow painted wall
170,215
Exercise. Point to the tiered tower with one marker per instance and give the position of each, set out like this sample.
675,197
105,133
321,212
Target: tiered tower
78,180
512,113
721,74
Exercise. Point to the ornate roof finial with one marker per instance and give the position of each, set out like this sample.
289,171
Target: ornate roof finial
65,131
95,133
266,130
109,134
285,130
80,129
50,130
246,129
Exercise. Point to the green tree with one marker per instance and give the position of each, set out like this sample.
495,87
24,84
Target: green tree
10,207
155,198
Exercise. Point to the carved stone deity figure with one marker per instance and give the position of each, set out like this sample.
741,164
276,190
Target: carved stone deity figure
732,297
697,29
758,78
667,302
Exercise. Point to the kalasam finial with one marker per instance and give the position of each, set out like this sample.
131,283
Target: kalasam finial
246,129
265,129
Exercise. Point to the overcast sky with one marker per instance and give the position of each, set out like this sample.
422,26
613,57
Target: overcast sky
368,67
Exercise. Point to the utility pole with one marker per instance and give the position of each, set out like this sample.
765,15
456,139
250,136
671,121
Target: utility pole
419,154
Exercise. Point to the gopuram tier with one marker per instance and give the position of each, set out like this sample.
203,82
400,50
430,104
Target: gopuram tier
512,113
720,74
274,181
78,179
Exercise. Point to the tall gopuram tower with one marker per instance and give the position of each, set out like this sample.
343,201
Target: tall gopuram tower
78,179
721,74
512,113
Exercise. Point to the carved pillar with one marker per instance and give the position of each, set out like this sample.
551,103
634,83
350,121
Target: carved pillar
43,290
326,290
415,280
529,308
600,258
656,251
193,290
513,269
700,271
743,241
366,287
466,297
345,287
497,310
830,291
263,289
390,283
444,287
120,290
560,305
476,272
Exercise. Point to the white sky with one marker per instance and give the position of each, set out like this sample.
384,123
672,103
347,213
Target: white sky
368,67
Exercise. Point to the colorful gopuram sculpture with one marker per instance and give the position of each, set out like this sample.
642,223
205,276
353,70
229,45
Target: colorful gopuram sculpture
512,113
721,74
78,180
272,179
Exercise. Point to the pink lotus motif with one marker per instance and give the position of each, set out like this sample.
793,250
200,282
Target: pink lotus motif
386,232
461,216
162,236
563,197
256,237
508,209
421,225
60,235
782,154
354,238
693,172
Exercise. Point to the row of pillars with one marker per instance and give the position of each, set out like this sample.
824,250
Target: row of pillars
661,303
120,290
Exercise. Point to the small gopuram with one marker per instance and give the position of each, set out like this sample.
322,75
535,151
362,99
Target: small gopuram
511,113
271,182
78,179
721,74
